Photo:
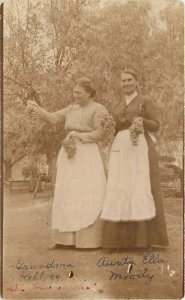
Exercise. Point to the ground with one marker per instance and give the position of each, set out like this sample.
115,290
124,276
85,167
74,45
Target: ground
26,237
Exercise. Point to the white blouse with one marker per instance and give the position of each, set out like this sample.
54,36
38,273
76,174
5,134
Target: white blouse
129,98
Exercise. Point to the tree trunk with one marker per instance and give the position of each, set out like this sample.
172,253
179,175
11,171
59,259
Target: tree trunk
51,160
7,169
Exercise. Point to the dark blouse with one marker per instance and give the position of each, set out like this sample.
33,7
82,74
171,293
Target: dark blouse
139,106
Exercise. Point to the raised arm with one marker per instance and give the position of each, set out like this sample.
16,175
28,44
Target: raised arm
53,118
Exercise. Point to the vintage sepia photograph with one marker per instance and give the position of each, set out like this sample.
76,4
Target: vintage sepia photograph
92,118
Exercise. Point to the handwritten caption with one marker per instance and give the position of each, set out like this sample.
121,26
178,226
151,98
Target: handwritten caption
147,259
39,270
50,275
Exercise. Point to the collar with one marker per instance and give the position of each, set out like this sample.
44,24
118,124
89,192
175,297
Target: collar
129,98
86,104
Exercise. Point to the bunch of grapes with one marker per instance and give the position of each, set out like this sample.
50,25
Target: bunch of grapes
136,129
34,115
69,145
18,103
108,124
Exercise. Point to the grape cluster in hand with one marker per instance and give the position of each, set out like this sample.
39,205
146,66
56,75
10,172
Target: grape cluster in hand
18,103
136,129
34,115
69,145
108,124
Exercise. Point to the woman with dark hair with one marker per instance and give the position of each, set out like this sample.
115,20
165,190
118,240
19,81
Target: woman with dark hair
80,180
133,205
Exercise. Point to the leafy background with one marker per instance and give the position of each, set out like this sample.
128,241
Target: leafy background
49,43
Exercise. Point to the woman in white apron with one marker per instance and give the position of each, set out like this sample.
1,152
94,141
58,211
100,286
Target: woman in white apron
80,180
133,205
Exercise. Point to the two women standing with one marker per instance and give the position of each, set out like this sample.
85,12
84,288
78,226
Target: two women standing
127,211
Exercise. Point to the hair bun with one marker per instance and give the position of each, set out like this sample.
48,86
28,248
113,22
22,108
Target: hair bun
93,93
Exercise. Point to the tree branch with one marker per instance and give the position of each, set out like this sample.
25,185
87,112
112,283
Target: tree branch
28,86
28,5
15,81
17,159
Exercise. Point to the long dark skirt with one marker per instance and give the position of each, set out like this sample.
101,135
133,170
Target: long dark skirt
145,233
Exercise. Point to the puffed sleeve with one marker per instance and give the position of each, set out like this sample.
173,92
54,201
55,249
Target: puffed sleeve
56,117
150,121
97,134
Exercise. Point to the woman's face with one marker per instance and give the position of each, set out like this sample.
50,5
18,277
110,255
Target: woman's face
81,95
128,83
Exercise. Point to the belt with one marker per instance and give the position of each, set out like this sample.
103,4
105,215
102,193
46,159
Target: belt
80,131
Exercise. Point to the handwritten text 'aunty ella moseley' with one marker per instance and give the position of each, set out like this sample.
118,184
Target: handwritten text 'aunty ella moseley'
147,259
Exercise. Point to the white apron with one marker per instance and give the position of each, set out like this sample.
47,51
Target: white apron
128,196
79,189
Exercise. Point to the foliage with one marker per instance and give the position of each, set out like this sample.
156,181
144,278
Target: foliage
32,166
48,44
30,171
